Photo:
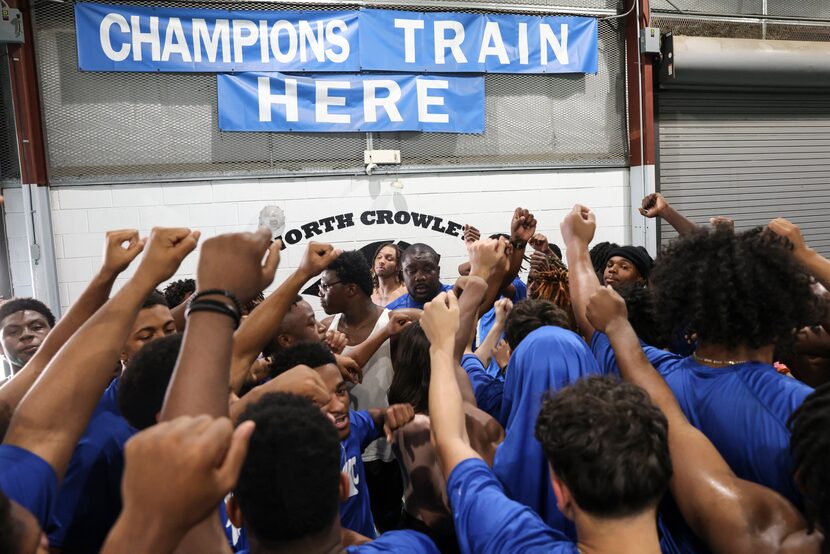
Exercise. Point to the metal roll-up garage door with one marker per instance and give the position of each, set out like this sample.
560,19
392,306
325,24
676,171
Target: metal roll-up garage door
746,154
751,157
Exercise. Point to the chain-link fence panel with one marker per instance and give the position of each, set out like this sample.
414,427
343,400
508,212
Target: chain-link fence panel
9,162
152,126
799,9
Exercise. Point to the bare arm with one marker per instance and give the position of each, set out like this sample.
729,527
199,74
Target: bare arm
53,415
730,514
655,205
816,264
261,325
446,406
578,229
199,384
485,349
116,260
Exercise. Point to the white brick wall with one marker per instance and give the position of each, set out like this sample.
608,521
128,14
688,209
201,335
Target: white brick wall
486,200
16,243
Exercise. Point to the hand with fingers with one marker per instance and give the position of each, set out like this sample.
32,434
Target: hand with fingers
164,252
522,227
177,472
121,248
654,205
790,231
234,262
397,415
605,307
471,234
336,340
579,226
318,256
349,369
488,257
440,320
397,323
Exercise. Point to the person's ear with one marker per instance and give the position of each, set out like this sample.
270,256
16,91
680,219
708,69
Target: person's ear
564,500
234,513
285,340
344,487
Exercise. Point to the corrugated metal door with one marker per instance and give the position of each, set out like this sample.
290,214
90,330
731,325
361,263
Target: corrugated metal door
748,156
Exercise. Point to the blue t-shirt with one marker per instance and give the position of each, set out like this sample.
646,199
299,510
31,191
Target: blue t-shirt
29,480
406,541
488,390
486,322
406,301
486,520
89,500
356,512
743,409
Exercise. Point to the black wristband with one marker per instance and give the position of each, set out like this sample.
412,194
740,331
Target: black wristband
519,244
218,292
215,306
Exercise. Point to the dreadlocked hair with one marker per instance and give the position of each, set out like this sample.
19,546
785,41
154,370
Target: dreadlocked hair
733,289
551,283
810,450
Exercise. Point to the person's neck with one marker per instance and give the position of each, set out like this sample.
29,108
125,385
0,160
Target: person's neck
326,542
388,285
359,311
636,534
719,355
15,369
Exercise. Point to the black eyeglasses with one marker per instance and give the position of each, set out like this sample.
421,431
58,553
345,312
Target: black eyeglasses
324,287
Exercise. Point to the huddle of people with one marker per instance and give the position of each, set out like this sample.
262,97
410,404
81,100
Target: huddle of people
608,403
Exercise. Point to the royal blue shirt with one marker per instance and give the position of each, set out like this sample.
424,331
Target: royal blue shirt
487,389
486,322
406,541
486,520
29,480
743,409
89,500
356,512
406,301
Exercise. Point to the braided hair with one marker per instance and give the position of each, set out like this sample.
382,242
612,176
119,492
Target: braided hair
810,450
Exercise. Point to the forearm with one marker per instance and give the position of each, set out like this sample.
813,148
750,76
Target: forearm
76,377
446,407
678,221
95,295
817,265
362,352
468,306
199,384
259,327
583,283
485,349
131,534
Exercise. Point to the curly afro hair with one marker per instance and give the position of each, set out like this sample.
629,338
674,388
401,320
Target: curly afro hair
733,289
177,291
352,267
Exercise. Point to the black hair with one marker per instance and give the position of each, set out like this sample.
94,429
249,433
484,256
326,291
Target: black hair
411,369
530,314
289,484
15,305
810,450
9,533
420,248
312,354
155,298
251,304
176,291
609,444
599,255
642,313
733,289
398,265
144,382
352,267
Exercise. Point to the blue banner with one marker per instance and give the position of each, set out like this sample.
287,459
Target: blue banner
350,103
136,38
457,42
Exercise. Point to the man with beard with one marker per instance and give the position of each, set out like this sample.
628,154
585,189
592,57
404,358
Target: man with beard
422,276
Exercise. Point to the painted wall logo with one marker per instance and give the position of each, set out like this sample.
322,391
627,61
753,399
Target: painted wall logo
371,217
